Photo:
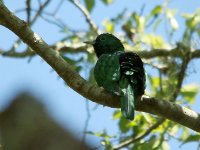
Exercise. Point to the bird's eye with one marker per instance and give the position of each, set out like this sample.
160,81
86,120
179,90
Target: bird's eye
102,38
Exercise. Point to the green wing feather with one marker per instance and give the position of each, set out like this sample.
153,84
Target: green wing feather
107,72
127,99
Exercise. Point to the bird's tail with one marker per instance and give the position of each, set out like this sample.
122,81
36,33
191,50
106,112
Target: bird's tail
127,102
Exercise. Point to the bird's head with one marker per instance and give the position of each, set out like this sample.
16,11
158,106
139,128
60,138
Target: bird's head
106,44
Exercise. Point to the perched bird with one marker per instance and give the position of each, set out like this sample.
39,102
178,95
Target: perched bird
119,72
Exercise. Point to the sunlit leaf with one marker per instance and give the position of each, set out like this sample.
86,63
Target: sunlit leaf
170,13
165,146
174,130
160,128
109,26
187,16
191,24
117,114
189,92
153,40
192,20
137,120
157,10
123,125
192,138
107,2
174,24
107,144
147,144
89,4
185,134
139,22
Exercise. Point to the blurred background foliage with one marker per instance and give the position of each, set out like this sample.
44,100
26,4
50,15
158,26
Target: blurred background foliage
163,28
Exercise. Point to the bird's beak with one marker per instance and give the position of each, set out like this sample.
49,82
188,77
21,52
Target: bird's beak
90,42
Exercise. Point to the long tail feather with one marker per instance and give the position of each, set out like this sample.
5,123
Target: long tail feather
127,102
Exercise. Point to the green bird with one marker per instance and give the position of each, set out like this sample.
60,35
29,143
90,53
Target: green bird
119,72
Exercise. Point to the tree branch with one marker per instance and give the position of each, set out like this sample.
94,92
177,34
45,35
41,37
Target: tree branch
61,47
166,109
176,52
132,140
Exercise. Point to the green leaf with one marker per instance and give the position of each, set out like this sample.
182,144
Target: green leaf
170,13
165,146
192,20
187,16
174,130
117,114
124,125
185,134
147,144
154,40
139,22
157,10
107,144
174,23
192,138
89,4
107,2
189,92
109,26
191,24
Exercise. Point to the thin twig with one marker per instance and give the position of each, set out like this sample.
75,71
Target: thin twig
57,22
87,120
85,12
58,7
185,60
87,106
28,10
40,10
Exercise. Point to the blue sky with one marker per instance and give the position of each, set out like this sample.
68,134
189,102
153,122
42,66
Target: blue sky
65,105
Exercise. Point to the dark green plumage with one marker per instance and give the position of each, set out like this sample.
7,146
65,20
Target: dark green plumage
118,71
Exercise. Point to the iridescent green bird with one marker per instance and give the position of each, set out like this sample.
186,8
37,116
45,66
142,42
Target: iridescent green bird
119,72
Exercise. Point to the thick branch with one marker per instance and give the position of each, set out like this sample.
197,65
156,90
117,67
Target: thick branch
162,108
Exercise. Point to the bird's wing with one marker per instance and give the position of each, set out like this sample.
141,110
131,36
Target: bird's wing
107,71
131,66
